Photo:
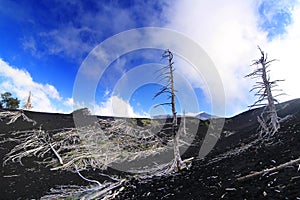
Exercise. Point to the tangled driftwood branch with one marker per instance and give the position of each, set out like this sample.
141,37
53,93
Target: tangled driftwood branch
93,146
97,147
12,116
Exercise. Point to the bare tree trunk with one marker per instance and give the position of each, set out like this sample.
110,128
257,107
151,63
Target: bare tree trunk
170,90
272,109
28,104
178,163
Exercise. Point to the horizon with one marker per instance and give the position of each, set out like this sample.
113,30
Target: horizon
166,114
44,46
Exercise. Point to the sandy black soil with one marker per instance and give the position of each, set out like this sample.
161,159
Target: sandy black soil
212,177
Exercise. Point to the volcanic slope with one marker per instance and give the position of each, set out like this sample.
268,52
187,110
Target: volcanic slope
237,153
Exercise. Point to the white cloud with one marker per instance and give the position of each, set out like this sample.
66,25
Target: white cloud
106,93
69,102
115,106
66,41
285,49
230,32
20,83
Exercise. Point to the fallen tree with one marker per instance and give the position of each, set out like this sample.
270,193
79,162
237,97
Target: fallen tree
279,167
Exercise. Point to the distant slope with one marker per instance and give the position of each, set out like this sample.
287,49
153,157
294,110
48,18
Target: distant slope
249,118
200,115
205,116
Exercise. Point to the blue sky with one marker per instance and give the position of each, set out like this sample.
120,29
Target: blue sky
43,45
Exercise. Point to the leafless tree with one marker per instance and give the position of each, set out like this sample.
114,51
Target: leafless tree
28,104
269,120
169,89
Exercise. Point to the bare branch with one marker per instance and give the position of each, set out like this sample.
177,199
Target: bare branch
86,179
56,154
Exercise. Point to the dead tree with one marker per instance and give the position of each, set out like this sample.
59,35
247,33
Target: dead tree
28,104
268,120
169,89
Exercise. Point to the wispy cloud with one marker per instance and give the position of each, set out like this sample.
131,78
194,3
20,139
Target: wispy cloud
45,97
66,41
69,102
86,24
29,44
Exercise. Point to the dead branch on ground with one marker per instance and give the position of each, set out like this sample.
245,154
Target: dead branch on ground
12,116
292,162
86,147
